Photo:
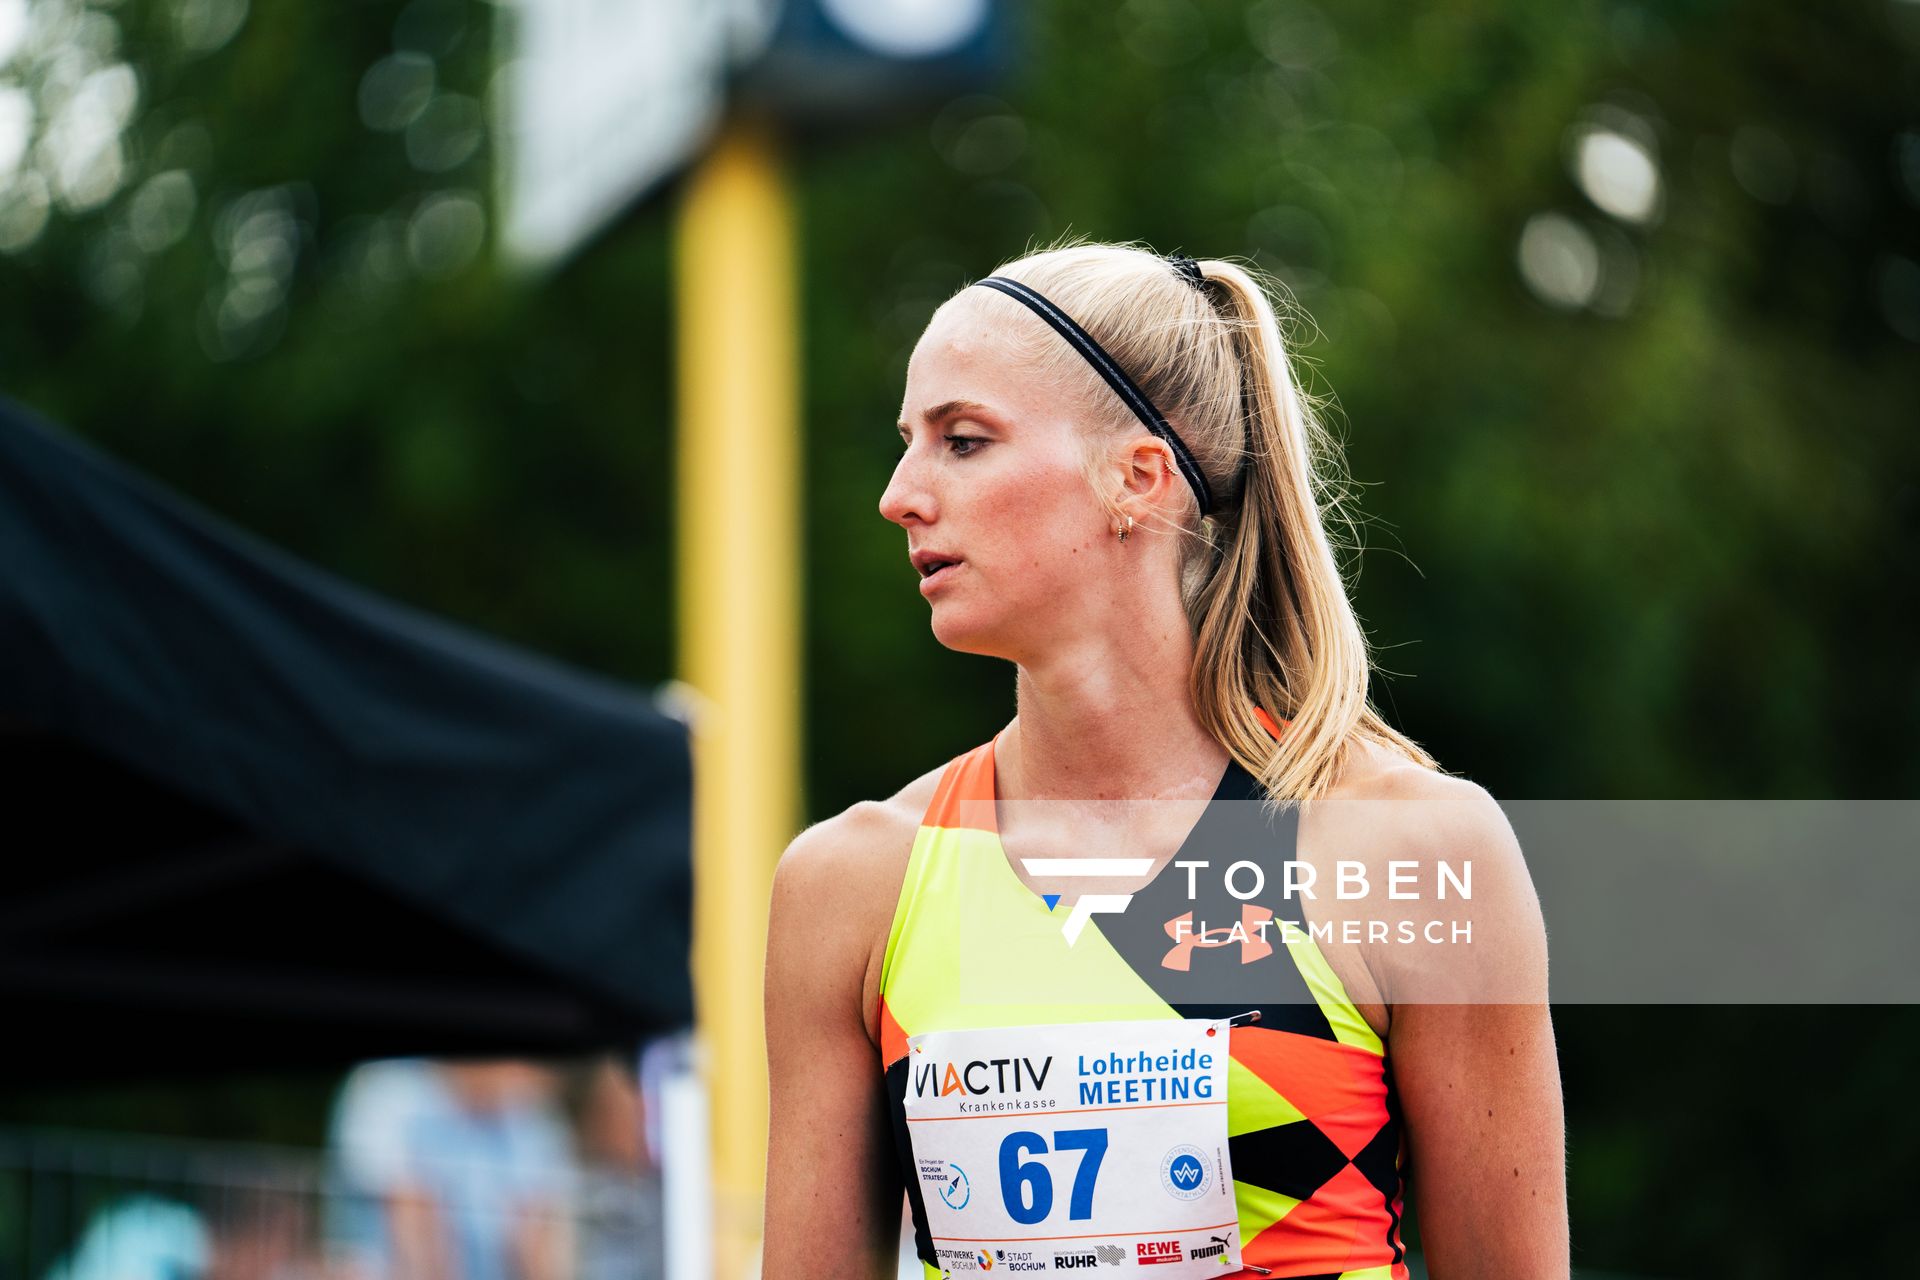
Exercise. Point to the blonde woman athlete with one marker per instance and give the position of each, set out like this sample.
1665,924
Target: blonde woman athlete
1112,480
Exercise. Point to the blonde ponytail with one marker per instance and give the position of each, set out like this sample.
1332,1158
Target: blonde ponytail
1273,628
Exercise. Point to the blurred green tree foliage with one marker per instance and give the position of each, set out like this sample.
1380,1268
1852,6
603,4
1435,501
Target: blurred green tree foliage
1620,303
1647,527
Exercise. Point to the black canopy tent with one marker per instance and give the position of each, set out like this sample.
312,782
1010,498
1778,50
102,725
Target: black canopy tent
255,816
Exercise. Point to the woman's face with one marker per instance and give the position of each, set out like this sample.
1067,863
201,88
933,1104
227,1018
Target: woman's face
991,482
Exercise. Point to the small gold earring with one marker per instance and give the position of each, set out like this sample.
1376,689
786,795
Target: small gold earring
1126,531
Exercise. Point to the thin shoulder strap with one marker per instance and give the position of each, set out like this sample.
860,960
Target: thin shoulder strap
965,795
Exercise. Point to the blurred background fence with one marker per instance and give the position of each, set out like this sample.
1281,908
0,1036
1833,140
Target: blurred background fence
81,1205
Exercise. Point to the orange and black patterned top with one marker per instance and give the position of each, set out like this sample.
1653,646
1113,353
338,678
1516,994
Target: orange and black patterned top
1314,1132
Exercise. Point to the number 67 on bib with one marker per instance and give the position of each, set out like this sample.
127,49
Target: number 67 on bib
1075,1148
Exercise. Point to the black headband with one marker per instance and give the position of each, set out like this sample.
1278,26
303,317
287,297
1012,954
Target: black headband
1115,377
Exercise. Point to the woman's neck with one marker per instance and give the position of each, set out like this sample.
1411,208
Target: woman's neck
1111,721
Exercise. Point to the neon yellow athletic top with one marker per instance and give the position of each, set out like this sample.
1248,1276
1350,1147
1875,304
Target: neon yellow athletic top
1312,1118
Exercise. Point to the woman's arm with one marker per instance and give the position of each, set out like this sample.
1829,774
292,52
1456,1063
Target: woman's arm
1477,1075
833,1192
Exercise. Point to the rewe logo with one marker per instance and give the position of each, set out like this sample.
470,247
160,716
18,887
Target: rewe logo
1250,933
1149,1252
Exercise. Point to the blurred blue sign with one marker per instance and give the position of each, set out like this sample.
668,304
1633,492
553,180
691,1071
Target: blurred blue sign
845,59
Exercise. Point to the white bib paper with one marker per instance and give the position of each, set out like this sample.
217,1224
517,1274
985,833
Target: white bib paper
1094,1148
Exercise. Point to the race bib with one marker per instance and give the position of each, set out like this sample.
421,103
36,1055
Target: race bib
1093,1148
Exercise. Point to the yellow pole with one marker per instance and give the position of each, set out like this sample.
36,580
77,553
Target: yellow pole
739,532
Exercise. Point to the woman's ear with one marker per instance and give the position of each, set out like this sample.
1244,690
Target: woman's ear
1149,473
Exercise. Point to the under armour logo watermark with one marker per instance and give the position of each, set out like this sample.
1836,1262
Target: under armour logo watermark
1250,933
1087,905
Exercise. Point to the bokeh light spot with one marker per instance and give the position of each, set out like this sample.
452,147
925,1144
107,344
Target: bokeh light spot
23,211
446,233
1559,261
395,90
1618,173
161,211
446,134
203,26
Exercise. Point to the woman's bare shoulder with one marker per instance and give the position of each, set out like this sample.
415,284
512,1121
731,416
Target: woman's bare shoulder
860,851
1418,810
834,894
1392,815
